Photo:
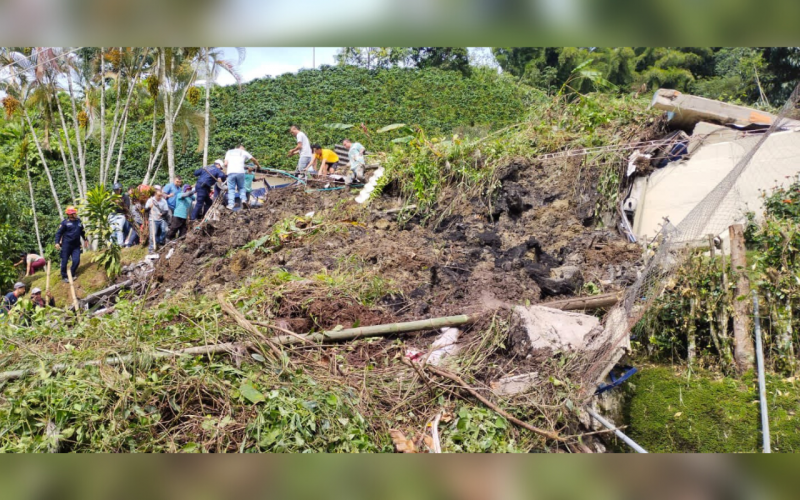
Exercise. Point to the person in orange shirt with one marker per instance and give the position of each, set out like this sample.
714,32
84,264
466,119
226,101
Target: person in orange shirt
327,159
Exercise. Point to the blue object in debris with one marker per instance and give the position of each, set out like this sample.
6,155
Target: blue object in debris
676,152
616,382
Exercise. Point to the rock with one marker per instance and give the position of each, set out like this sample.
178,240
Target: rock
382,224
553,329
562,280
516,384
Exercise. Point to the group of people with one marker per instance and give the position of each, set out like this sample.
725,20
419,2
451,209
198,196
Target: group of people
312,154
163,212
11,298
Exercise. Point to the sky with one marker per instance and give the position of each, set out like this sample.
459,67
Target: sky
274,61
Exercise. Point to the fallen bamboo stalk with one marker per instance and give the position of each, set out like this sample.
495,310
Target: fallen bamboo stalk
584,303
72,291
379,330
463,385
47,280
395,210
349,334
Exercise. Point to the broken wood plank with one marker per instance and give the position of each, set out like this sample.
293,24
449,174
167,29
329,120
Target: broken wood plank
96,297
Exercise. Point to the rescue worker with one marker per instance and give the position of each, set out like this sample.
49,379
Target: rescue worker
68,240
39,301
355,153
207,177
327,160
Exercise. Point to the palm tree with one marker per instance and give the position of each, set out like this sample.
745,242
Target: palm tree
213,64
28,75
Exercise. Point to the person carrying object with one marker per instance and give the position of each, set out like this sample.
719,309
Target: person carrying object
68,240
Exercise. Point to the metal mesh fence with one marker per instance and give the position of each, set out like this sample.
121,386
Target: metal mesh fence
758,163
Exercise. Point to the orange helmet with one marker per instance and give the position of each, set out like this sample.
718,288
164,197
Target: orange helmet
71,210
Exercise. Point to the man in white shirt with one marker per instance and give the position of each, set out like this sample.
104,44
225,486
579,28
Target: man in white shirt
303,149
355,153
234,161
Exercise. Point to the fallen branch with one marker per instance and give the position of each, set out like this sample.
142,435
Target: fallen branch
463,385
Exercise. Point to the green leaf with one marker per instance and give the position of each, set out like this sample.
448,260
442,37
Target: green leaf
393,126
251,394
403,140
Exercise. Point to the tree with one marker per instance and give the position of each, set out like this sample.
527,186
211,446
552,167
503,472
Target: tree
213,63
446,58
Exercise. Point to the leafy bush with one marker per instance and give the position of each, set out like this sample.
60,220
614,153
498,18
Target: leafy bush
99,206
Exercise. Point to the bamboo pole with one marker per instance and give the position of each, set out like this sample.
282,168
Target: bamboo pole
47,280
72,290
348,334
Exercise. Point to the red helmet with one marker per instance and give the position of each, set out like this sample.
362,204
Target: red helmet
71,210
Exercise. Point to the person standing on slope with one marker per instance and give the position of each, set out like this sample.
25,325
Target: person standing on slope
68,240
303,149
207,178
234,161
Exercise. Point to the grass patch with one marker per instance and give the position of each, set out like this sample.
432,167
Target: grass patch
91,278
668,411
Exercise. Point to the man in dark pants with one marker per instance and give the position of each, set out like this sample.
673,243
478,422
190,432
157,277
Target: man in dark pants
207,178
68,240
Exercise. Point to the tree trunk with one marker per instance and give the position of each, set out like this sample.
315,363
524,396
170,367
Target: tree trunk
44,163
691,333
66,169
102,120
209,81
33,207
65,129
168,121
744,350
81,155
121,146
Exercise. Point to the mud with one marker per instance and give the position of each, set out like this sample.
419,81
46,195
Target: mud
535,240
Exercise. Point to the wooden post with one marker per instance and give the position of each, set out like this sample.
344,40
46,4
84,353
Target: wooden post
72,289
47,279
744,350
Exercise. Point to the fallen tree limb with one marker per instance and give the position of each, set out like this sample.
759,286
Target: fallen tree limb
463,385
96,297
585,303
332,336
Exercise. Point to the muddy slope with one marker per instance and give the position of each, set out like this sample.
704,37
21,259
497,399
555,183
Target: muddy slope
536,241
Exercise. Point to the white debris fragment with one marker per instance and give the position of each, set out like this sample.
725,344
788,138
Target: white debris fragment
169,254
515,384
444,346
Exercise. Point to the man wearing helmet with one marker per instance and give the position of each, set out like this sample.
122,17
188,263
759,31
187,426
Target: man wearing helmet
68,240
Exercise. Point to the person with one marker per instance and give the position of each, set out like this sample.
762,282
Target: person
355,154
68,240
158,224
136,212
177,226
11,298
118,219
39,301
327,159
207,177
234,161
171,192
33,262
303,149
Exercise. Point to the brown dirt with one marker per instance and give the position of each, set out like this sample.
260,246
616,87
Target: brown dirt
477,257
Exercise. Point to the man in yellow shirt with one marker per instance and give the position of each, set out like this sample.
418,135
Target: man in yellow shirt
327,159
